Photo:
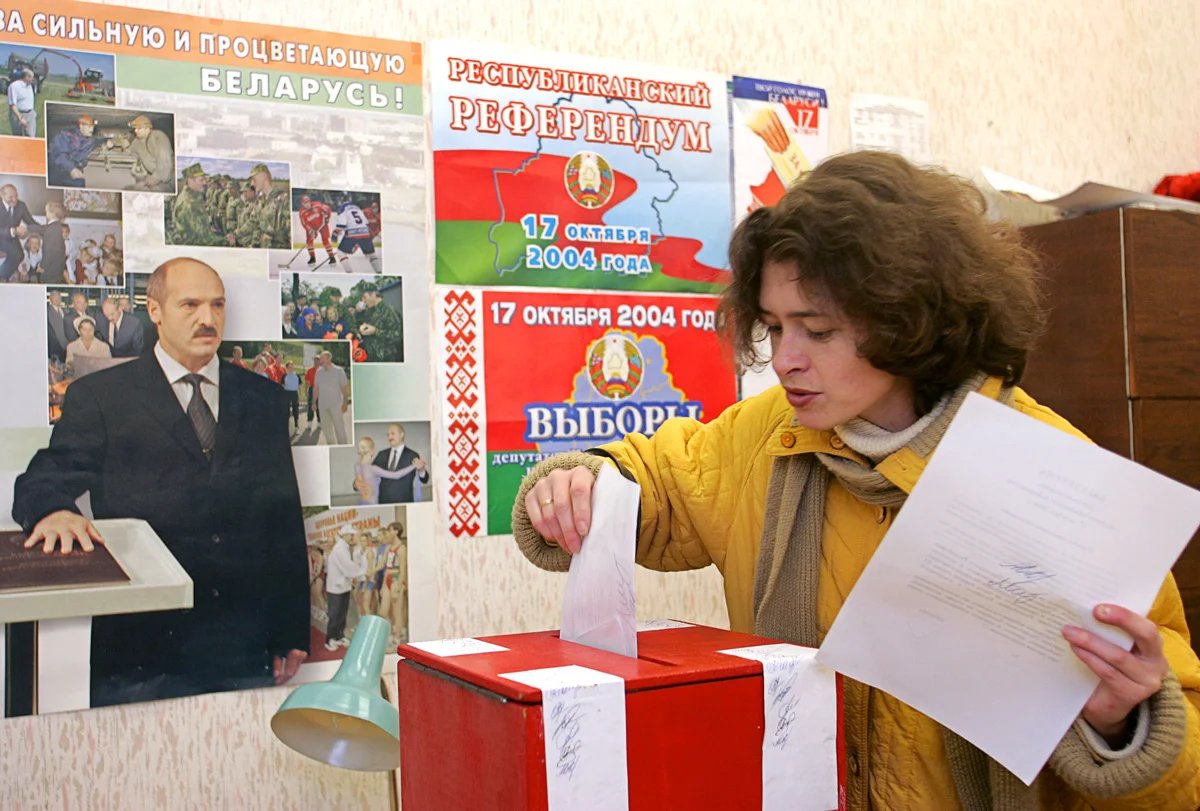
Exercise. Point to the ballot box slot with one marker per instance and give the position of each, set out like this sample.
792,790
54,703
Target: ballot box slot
644,658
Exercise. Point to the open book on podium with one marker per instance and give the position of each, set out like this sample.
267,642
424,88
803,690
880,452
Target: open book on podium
131,573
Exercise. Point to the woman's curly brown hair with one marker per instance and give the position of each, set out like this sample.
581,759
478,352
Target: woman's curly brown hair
906,254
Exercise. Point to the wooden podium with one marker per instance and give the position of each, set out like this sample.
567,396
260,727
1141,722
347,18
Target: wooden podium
63,617
1121,359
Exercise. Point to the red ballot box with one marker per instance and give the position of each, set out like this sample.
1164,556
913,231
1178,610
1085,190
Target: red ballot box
470,739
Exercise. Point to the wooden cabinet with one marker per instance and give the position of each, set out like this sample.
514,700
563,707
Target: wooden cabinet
1121,359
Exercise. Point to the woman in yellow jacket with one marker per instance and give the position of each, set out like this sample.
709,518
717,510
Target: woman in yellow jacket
887,298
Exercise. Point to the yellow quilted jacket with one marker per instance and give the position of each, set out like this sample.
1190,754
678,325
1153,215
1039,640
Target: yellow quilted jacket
703,498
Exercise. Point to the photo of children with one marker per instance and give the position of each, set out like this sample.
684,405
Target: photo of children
56,236
333,230
34,75
389,464
358,565
229,203
365,311
310,372
93,147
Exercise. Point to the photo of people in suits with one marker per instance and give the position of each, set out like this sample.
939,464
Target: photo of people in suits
57,236
389,464
199,448
89,329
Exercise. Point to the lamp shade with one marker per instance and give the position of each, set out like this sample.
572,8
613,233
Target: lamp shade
346,721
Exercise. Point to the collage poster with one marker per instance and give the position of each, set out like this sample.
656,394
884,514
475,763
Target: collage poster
280,175
602,189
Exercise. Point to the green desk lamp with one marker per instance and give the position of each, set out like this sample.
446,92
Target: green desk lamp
346,722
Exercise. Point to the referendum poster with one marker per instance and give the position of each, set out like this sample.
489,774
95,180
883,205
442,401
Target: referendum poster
780,131
545,372
570,172
293,163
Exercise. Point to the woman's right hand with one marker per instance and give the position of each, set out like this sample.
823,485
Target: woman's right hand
560,506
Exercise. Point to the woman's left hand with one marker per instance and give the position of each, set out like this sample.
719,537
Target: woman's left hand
1127,678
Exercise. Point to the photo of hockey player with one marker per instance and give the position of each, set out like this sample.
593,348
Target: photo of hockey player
333,231
226,202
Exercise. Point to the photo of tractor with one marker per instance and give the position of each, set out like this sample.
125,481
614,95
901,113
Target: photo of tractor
58,75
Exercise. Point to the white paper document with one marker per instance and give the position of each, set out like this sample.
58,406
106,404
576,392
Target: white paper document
660,625
583,720
1007,183
799,765
599,607
1014,530
457,647
1093,196
1090,196
892,123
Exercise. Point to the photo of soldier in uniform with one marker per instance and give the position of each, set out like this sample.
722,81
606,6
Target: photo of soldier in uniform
59,236
33,75
333,231
315,377
110,148
224,202
365,311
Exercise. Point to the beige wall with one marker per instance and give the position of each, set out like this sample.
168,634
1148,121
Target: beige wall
1054,93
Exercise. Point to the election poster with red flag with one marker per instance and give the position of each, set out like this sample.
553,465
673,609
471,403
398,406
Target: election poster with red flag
564,171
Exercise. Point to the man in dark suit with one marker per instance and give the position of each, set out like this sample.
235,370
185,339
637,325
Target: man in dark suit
14,214
122,333
199,449
54,243
79,309
56,331
394,457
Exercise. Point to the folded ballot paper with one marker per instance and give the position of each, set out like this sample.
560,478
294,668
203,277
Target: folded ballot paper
600,608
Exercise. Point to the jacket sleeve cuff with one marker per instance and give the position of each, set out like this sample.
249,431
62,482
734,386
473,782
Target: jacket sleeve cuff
1100,748
543,553
1089,772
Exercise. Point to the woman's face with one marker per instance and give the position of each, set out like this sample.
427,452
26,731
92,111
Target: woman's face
814,352
87,330
110,242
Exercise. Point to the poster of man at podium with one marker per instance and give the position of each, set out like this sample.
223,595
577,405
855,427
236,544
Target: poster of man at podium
199,449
